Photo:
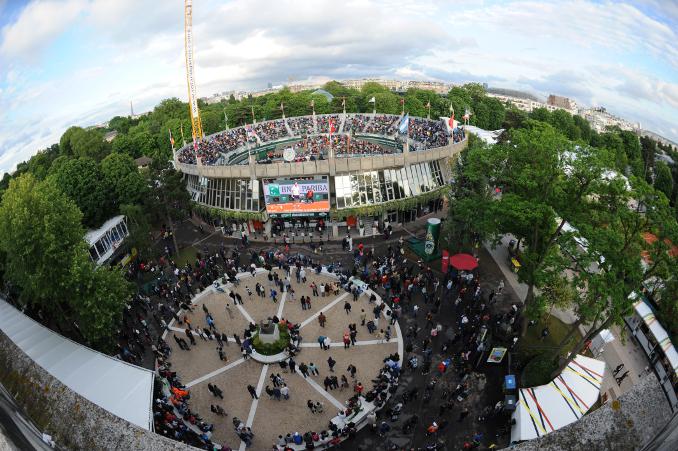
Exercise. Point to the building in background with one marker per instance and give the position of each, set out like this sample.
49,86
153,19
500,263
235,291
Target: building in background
561,102
600,120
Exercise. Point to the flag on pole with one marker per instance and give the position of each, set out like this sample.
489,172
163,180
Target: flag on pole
312,103
372,100
171,139
467,115
343,102
282,107
402,100
428,104
404,124
182,133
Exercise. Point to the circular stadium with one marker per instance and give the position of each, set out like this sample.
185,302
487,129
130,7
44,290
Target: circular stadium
310,168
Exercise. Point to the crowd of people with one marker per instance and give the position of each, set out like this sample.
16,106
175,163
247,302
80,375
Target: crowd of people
408,289
209,151
425,134
302,125
318,147
428,134
271,130
324,123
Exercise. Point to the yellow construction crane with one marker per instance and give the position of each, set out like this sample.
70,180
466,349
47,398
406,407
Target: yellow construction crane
196,125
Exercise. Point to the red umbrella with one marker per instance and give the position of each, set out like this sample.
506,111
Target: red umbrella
464,262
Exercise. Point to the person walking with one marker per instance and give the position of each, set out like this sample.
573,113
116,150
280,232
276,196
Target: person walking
253,392
313,369
614,373
622,377
189,334
285,392
304,370
331,362
347,307
322,319
352,370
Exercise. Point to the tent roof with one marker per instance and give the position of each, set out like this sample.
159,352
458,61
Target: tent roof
564,400
123,389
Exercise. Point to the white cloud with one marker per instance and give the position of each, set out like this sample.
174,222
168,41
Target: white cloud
37,26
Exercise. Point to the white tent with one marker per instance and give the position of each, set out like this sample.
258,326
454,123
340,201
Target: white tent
564,400
123,389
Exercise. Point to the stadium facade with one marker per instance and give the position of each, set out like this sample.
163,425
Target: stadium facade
306,167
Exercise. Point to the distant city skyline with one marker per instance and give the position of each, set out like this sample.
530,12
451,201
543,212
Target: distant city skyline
80,62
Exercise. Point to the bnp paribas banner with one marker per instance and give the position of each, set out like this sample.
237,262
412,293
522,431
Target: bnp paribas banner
432,234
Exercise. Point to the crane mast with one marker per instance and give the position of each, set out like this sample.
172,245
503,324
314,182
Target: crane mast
196,125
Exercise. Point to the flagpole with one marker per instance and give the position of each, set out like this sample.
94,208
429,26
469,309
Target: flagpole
182,133
254,119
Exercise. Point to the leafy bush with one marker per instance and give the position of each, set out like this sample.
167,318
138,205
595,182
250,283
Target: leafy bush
272,348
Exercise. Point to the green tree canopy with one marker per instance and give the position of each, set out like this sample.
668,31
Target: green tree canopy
81,180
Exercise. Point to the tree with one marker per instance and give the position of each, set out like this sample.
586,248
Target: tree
139,228
41,237
169,199
619,218
39,228
81,180
87,143
663,179
545,180
98,298
122,179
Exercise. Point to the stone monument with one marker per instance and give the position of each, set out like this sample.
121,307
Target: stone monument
268,331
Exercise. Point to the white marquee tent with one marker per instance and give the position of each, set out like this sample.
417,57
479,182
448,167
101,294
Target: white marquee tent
564,400
123,389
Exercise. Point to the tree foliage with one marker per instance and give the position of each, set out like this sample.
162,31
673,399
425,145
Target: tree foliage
81,180
47,259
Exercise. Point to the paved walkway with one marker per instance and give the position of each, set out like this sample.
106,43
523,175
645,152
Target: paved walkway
614,353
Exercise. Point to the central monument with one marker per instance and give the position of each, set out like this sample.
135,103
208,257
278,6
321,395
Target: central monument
268,331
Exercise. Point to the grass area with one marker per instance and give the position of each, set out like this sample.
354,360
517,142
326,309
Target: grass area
272,348
186,255
536,353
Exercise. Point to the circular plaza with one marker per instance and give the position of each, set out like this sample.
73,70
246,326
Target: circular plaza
263,392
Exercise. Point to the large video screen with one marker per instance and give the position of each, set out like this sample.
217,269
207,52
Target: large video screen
297,196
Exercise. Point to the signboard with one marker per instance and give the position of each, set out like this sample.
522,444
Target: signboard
432,234
497,355
297,196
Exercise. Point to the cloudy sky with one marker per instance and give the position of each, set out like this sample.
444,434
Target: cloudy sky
79,62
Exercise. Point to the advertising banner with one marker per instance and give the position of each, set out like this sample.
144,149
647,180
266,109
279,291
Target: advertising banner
432,234
299,196
446,261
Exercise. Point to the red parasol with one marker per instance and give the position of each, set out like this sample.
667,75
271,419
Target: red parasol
464,262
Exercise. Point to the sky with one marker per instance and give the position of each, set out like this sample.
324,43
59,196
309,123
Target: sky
81,62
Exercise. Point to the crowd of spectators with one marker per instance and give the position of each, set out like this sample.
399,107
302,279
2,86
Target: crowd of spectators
271,130
429,134
378,125
317,148
426,134
358,147
324,123
210,150
302,125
